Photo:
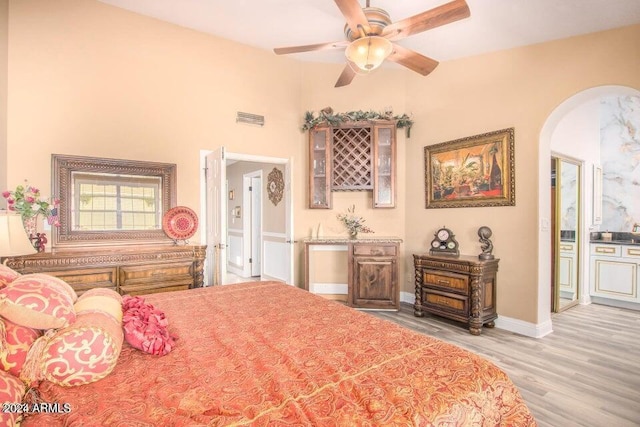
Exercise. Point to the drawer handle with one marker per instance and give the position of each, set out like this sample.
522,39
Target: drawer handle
444,301
606,250
376,252
633,252
442,282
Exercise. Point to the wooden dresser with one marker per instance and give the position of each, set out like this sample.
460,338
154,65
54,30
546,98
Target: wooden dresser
461,288
132,271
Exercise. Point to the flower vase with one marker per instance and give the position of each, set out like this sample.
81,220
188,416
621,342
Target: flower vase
353,235
30,225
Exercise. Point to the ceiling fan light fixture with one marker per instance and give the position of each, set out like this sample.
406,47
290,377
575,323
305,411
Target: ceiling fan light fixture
368,53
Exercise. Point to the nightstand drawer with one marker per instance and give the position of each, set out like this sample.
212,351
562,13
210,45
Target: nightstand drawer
450,303
448,282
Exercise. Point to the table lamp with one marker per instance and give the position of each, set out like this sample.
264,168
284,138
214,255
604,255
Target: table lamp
13,238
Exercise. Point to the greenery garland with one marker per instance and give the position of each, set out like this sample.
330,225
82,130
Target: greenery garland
327,115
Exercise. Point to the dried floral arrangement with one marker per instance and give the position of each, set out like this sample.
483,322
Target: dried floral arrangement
353,222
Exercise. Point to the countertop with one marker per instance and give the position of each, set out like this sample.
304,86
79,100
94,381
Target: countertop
617,238
632,242
341,240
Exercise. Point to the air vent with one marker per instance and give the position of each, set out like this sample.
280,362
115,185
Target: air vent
252,119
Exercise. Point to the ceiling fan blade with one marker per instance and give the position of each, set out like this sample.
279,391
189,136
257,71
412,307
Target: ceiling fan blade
441,15
353,14
311,47
412,60
346,77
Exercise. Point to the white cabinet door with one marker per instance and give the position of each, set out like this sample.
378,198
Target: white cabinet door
614,278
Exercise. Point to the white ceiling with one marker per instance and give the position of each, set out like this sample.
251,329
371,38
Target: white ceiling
493,25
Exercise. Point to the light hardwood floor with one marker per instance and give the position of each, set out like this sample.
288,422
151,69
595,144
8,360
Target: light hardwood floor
586,373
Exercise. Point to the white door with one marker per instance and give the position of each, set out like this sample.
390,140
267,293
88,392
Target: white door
256,226
216,217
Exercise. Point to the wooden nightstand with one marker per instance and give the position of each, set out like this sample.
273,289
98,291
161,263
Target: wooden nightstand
461,288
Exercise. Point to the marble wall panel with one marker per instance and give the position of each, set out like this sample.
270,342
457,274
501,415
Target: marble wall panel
620,159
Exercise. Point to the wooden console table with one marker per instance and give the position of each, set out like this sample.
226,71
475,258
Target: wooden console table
133,271
372,276
461,288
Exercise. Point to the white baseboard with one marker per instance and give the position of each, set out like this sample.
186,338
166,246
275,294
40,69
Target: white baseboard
328,288
533,330
235,270
508,324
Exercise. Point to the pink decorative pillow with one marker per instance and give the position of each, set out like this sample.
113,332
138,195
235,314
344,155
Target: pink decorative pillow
15,341
56,282
83,352
102,300
11,392
37,301
145,327
7,275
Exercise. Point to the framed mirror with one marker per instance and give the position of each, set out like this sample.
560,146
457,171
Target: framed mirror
111,201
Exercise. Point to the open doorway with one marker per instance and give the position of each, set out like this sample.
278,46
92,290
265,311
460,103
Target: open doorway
249,231
585,134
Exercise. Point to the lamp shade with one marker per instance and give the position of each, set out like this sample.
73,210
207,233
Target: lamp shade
13,238
368,52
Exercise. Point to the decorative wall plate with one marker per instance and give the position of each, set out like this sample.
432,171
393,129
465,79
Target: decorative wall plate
275,185
180,223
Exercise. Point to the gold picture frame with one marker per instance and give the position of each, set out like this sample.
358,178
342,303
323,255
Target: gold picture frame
476,171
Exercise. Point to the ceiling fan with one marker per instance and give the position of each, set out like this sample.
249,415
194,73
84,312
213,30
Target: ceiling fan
370,35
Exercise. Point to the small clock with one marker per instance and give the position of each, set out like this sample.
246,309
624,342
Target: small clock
444,243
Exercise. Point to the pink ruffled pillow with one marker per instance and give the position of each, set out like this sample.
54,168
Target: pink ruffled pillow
145,327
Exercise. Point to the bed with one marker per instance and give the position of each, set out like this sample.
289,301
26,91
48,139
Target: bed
264,353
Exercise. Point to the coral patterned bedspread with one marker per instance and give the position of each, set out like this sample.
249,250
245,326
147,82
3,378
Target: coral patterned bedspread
264,353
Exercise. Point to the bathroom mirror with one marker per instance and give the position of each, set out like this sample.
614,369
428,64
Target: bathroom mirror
566,236
111,201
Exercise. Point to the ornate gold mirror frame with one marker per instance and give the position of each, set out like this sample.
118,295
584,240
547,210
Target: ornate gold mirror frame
64,168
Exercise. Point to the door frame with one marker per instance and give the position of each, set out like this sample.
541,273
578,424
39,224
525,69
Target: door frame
288,200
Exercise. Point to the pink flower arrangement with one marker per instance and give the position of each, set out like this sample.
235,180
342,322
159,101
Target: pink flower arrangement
26,201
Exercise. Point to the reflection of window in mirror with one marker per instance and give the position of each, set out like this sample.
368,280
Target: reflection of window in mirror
111,201
115,202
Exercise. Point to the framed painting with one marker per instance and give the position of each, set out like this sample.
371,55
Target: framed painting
474,171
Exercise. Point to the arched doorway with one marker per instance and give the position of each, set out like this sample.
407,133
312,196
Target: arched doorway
544,202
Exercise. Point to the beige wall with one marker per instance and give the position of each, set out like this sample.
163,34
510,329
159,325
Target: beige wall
86,78
516,88
90,79
273,216
4,43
